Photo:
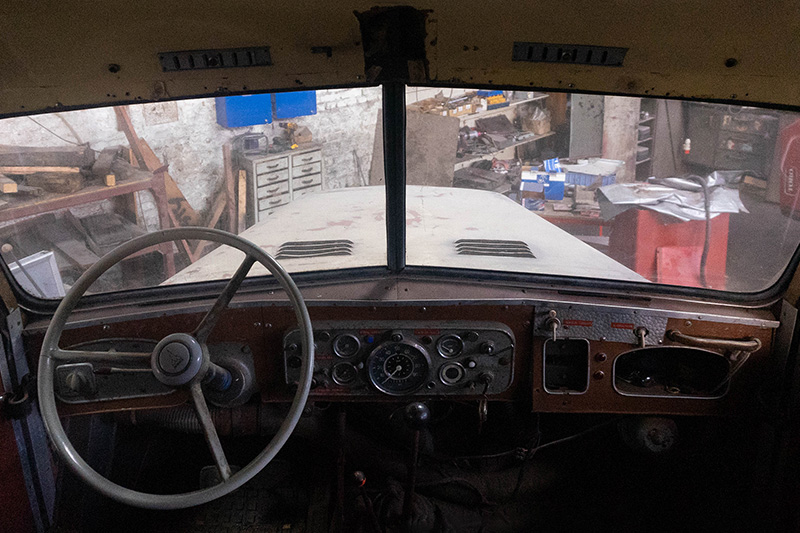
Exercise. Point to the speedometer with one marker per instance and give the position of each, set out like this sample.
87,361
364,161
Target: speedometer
398,368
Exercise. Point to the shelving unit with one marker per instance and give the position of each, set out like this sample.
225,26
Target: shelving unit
502,153
505,151
644,167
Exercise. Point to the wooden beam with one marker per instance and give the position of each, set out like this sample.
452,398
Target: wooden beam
242,203
179,206
230,187
58,156
125,124
35,170
182,211
7,185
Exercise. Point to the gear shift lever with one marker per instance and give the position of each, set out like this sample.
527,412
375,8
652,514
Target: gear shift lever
416,415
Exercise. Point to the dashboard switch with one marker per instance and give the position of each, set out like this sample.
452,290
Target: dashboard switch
553,323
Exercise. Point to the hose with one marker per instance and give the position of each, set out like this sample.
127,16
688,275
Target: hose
707,243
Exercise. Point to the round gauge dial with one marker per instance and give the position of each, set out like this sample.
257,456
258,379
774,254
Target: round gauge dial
398,368
450,346
344,373
346,345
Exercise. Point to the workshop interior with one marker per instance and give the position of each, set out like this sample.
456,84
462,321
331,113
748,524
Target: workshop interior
421,268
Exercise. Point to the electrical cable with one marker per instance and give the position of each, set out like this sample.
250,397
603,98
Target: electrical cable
52,132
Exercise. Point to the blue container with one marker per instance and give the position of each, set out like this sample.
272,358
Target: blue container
484,94
247,110
579,178
295,104
599,170
553,185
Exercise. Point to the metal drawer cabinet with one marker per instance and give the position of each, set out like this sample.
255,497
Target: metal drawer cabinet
276,179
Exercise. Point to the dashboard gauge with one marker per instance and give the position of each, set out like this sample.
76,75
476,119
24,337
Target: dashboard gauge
450,346
344,373
398,368
346,345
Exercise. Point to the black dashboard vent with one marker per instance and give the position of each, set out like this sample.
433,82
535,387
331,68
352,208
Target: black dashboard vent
295,249
601,56
493,247
209,59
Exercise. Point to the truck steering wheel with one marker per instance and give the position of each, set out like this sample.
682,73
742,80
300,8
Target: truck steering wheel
179,360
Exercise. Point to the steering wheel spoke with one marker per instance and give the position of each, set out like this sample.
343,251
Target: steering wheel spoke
91,356
212,317
209,431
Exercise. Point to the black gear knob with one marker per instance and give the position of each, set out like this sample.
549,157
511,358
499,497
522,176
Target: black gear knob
417,415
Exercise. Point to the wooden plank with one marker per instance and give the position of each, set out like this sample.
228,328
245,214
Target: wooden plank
56,182
34,170
241,206
33,191
7,185
230,186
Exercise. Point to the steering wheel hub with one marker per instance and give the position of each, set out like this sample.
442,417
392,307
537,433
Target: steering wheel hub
177,359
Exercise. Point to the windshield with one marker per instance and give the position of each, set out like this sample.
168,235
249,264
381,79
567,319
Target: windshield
265,166
640,190
647,190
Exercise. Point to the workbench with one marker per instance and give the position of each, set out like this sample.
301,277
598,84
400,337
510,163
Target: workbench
565,219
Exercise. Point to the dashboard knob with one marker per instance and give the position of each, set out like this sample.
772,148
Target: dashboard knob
76,382
417,415
397,337
487,347
471,363
485,378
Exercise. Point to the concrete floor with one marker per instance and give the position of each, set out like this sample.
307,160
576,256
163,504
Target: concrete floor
760,245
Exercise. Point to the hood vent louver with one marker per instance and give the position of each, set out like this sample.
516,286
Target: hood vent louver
297,249
492,247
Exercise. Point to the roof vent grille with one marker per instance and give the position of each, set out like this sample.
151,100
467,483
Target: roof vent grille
297,249
600,56
493,247
210,59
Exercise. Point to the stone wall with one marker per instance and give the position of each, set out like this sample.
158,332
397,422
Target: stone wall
186,137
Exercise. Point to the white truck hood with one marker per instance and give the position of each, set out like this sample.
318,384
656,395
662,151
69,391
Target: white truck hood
437,217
